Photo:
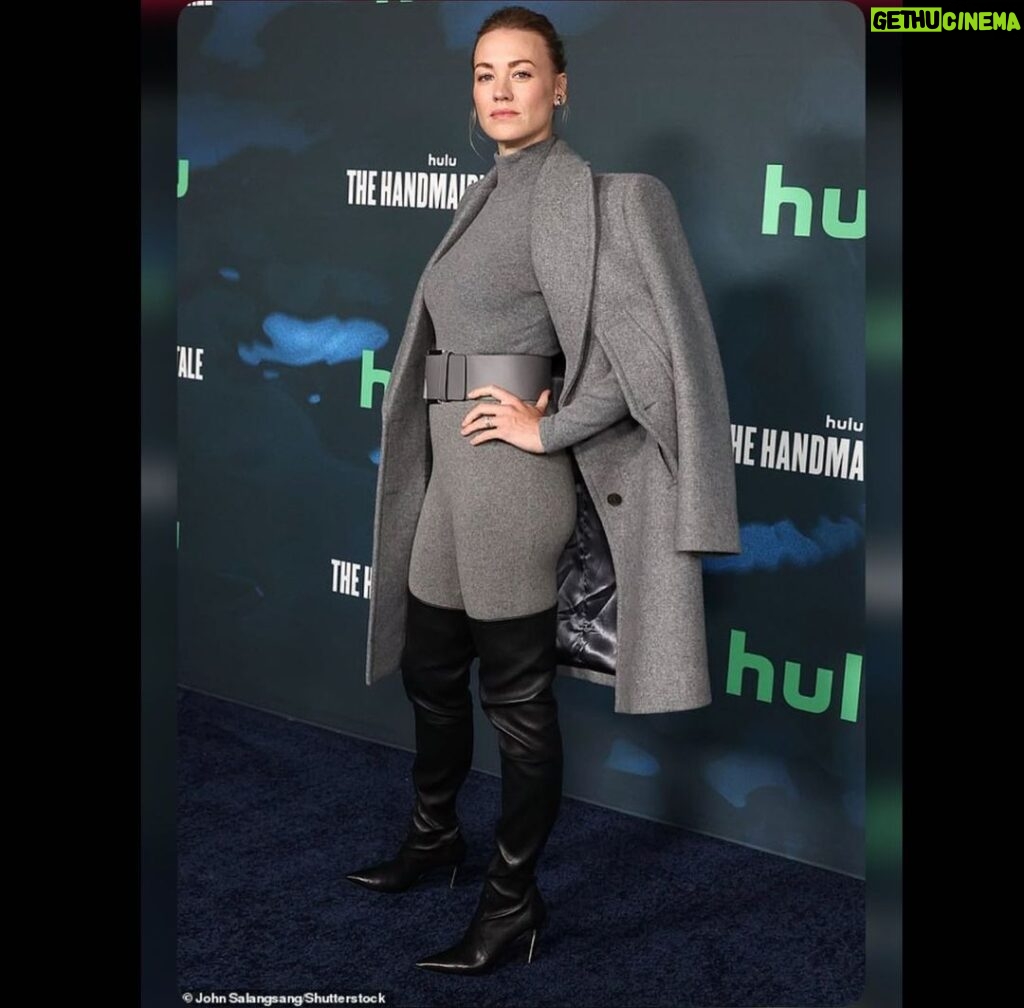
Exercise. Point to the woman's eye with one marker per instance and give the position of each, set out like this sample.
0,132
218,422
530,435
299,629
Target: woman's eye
525,73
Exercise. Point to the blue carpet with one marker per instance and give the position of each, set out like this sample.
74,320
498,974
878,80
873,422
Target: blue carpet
272,813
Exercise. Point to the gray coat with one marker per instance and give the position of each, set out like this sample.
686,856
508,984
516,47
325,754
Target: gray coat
621,288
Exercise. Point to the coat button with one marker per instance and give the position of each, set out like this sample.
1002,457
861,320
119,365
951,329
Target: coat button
614,498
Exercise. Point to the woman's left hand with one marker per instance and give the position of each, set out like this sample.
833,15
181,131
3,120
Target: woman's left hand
510,419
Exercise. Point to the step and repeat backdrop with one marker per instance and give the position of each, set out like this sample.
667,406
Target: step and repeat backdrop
294,285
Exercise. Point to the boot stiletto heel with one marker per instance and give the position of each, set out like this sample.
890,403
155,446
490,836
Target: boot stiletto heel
533,938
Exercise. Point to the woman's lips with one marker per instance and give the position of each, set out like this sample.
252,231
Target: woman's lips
503,115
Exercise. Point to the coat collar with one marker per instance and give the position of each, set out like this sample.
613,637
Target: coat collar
562,243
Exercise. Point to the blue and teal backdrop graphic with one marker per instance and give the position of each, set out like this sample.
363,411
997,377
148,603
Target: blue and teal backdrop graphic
293,296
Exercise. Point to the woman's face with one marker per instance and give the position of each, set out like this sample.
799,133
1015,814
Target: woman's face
512,73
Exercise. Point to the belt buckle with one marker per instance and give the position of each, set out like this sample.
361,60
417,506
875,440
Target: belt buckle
454,379
454,376
460,379
438,353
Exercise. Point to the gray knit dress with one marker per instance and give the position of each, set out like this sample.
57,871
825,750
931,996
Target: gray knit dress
496,518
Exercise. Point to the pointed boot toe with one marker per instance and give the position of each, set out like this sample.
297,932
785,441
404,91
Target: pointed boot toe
453,960
471,958
385,877
502,925
367,877
410,865
379,878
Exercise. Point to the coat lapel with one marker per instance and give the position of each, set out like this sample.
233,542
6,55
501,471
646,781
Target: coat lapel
563,247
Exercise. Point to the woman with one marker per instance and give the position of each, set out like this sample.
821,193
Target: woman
498,510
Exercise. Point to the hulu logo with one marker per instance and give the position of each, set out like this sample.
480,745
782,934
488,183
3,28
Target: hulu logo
182,177
370,376
741,661
776,194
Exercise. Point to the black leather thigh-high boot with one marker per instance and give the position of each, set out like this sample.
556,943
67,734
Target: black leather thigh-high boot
436,659
517,671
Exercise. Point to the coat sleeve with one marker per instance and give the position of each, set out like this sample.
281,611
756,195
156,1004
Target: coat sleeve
598,404
706,514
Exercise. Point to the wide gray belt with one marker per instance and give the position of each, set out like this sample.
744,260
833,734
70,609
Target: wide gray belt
449,376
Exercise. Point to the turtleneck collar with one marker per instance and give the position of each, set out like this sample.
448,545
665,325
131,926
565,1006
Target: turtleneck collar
522,165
